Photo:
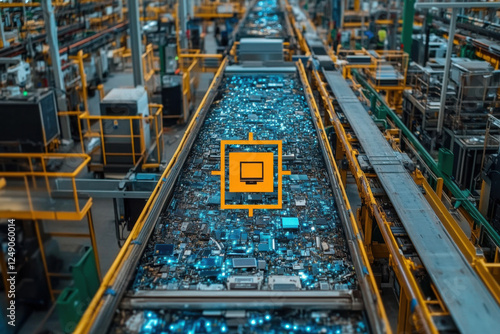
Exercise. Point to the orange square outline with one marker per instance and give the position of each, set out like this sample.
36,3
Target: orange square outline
222,173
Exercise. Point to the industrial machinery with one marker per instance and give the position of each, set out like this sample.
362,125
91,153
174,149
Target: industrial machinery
364,144
171,98
218,264
125,102
280,250
489,204
265,27
471,96
395,204
266,19
82,26
491,177
188,251
29,121
15,72
128,132
436,48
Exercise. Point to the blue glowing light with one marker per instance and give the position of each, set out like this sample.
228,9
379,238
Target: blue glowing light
267,317
308,328
150,324
294,328
287,326
223,329
253,322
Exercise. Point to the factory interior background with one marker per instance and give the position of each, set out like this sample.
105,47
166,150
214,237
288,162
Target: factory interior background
249,166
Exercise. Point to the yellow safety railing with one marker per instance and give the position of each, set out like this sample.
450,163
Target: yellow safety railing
343,54
352,221
97,124
213,10
187,59
372,213
79,59
298,34
28,193
488,271
148,63
355,19
28,189
190,80
153,12
384,62
388,73
153,160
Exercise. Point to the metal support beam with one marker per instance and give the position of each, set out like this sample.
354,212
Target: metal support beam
120,9
394,33
357,5
337,14
182,12
135,41
408,17
51,32
446,77
465,4
428,22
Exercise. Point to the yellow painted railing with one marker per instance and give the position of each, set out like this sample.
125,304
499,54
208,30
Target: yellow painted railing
155,119
401,266
213,10
28,189
342,54
352,220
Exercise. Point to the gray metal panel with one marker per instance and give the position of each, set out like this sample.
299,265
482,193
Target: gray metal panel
260,49
259,69
470,303
125,95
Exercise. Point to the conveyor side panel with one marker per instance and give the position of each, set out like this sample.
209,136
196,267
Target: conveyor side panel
471,305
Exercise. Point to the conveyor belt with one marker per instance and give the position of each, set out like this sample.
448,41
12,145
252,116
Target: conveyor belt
471,305
208,254
265,19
